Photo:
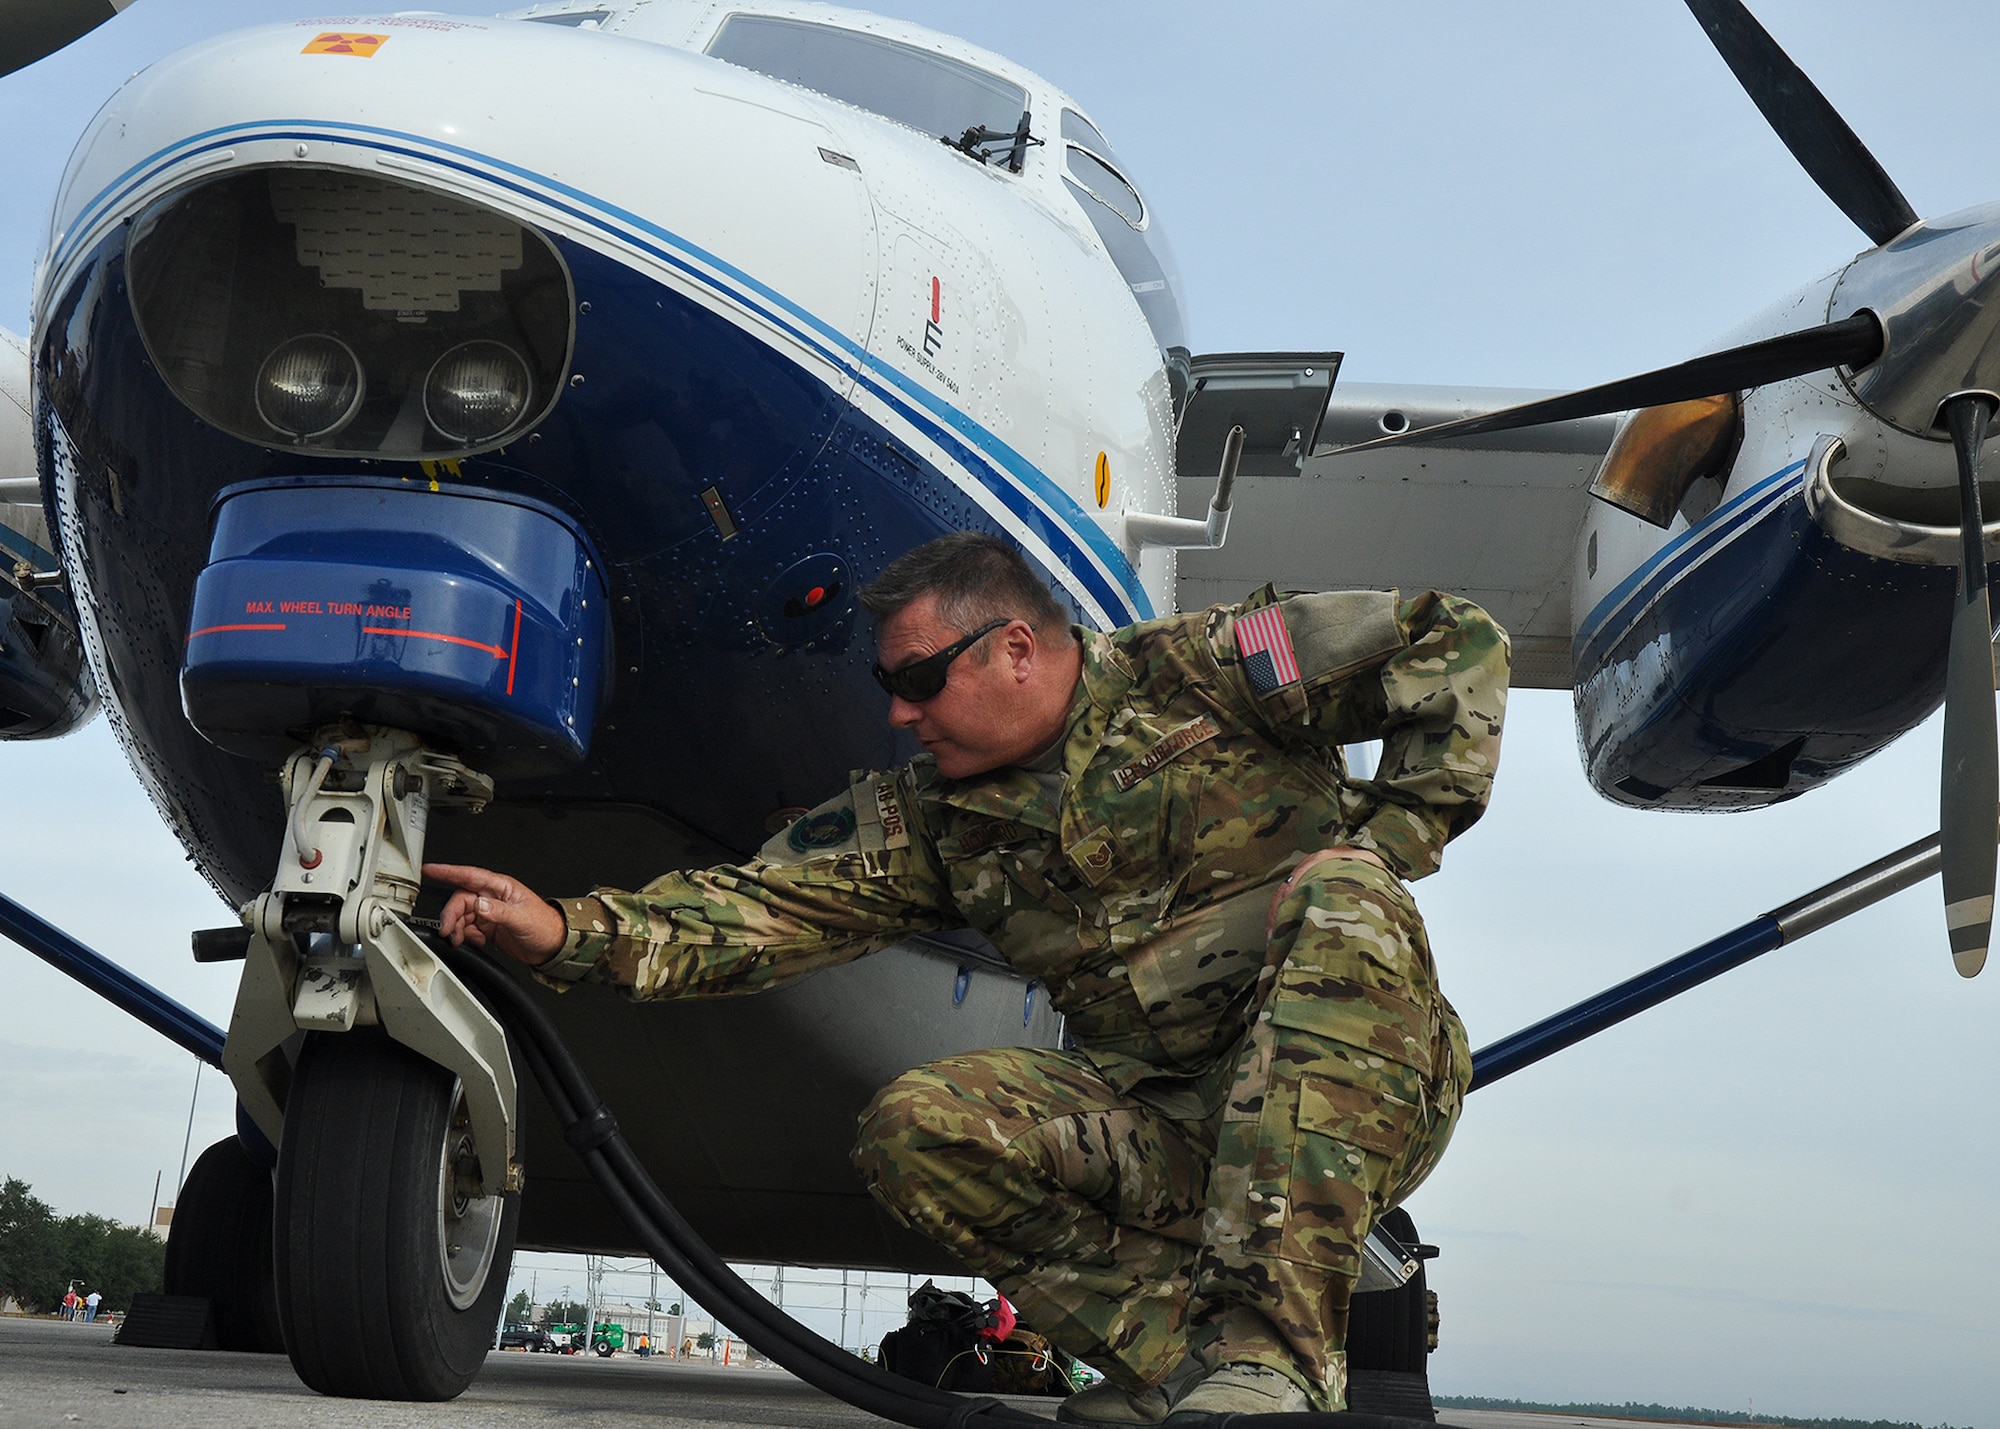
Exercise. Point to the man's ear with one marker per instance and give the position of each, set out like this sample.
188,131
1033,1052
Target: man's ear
1018,639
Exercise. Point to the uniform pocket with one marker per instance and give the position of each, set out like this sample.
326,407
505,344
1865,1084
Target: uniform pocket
1347,1139
1370,1117
1371,1020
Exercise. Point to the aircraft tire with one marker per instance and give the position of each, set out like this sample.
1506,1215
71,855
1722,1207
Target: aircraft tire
1389,1330
219,1247
389,1285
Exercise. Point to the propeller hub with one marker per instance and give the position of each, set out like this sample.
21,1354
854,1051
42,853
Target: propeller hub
1935,289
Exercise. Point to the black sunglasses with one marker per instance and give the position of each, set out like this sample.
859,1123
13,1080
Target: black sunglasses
921,680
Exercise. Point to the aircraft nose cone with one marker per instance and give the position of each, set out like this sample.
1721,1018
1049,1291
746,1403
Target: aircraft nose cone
1936,291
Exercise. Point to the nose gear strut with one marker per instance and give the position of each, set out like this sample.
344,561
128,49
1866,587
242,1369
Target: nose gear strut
331,948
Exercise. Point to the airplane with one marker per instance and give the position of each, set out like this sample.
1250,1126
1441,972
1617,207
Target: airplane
234,837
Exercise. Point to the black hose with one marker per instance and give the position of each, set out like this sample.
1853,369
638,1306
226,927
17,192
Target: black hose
592,1131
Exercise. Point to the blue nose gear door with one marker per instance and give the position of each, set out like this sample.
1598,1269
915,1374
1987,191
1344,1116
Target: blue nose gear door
476,621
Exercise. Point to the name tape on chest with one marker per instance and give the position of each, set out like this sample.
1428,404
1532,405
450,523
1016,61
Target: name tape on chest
980,837
1194,732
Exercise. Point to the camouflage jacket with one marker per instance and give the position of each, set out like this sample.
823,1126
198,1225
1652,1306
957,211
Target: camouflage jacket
1202,760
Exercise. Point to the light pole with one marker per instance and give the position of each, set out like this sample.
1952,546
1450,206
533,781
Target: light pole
188,1139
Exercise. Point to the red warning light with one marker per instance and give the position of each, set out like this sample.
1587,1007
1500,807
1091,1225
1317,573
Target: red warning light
815,596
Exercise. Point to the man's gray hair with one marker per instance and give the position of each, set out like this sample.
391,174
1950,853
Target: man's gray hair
976,578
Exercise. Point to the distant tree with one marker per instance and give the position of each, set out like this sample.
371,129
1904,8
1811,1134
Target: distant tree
564,1312
116,1261
31,1248
40,1253
519,1308
705,1340
675,1308
653,1305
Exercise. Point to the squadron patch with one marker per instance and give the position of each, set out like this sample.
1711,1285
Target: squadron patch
829,829
1178,742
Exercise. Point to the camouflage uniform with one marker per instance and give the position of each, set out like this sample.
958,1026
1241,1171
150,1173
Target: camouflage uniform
1200,1171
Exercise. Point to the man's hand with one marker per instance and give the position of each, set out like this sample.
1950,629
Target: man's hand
1305,866
493,910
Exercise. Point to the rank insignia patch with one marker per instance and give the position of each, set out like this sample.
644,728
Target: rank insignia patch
1266,649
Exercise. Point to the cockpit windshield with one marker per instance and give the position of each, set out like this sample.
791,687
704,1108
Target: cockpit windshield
1121,219
932,93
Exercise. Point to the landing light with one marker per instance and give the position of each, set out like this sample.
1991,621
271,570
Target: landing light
309,386
477,390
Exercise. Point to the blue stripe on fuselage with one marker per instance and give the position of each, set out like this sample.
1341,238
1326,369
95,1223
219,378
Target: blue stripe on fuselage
1027,492
1675,559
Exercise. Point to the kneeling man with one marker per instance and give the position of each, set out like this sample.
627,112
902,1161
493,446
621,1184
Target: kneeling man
1158,824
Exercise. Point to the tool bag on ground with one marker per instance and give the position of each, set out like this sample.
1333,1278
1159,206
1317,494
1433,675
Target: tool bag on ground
955,1342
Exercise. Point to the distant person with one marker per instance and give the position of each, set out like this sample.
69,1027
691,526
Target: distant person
1158,823
69,1304
90,1303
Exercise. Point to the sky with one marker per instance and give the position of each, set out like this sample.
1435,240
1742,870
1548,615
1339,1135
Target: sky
1774,1192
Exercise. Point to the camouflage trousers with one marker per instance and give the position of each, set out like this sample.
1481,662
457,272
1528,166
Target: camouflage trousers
1219,1213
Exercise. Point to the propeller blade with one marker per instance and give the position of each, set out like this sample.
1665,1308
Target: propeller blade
1852,342
1811,128
28,31
1969,792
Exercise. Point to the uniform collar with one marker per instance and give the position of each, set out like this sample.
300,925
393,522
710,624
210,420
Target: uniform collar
1102,691
1008,794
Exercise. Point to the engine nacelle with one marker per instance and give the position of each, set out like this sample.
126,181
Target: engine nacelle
45,684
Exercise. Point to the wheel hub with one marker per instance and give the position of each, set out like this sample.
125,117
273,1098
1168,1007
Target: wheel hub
468,1222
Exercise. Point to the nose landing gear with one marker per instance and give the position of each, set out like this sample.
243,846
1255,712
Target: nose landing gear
391,1267
386,1085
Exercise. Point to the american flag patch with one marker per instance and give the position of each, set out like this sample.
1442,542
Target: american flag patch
1266,650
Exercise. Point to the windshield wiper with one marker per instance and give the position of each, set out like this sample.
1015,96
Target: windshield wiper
986,145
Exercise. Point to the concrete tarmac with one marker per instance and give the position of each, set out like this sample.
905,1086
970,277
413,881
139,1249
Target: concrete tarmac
56,1374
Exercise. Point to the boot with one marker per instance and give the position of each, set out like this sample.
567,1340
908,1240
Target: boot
1107,1404
1240,1388
1113,1408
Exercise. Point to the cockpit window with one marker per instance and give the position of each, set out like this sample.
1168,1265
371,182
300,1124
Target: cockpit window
933,94
1106,185
1078,130
1135,242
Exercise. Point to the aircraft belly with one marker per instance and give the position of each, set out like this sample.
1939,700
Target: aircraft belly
1759,668
745,1107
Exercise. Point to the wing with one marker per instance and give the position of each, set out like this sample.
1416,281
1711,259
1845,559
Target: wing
1495,518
